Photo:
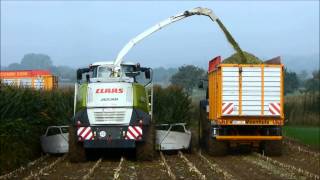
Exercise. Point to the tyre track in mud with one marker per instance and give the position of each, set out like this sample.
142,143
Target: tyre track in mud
155,170
281,172
303,158
209,168
67,170
238,167
298,173
31,167
107,169
87,176
191,166
168,169
295,146
49,166
127,171
293,164
180,168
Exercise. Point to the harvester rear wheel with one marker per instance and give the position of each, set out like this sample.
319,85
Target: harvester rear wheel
216,148
272,148
76,151
145,150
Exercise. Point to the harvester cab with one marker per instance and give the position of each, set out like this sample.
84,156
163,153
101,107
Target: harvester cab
112,109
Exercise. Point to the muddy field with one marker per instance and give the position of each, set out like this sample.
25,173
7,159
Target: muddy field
297,162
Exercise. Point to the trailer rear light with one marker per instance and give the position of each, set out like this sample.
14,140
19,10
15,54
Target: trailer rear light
140,122
78,122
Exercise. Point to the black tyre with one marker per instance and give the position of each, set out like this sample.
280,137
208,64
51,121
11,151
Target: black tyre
216,148
189,150
145,150
76,151
204,126
272,148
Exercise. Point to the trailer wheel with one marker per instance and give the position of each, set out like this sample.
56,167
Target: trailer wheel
76,151
145,150
273,148
216,148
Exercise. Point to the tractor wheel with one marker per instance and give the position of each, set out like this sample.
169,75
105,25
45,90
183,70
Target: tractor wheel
272,148
216,148
204,126
76,151
145,150
190,150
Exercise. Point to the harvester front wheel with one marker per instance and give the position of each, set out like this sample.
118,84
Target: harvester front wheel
216,148
272,148
145,150
76,151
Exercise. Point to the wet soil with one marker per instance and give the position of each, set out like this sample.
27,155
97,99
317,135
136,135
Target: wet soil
237,165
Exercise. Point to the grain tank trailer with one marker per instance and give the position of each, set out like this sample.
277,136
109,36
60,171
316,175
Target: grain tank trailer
112,110
244,107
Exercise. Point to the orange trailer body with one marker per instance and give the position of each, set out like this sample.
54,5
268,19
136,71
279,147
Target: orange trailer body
216,98
37,79
242,95
244,107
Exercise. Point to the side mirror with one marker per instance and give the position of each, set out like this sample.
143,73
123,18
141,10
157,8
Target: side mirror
147,74
87,77
80,72
137,67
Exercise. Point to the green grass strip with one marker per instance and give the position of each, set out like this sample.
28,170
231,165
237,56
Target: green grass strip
306,135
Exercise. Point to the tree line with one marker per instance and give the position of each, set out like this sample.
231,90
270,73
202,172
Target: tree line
42,61
186,76
31,61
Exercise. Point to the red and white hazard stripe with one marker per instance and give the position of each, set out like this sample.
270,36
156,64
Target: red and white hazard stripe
274,108
227,108
134,132
85,133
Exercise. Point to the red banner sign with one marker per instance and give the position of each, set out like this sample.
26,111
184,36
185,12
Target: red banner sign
23,73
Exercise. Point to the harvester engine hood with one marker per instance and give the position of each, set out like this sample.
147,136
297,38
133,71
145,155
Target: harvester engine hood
109,103
109,95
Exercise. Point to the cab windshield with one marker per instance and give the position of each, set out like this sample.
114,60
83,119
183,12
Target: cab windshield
101,72
105,71
128,71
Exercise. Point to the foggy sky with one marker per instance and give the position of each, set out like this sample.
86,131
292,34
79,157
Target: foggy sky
78,33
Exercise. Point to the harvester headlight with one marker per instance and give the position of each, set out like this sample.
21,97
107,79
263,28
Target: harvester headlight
215,131
102,134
